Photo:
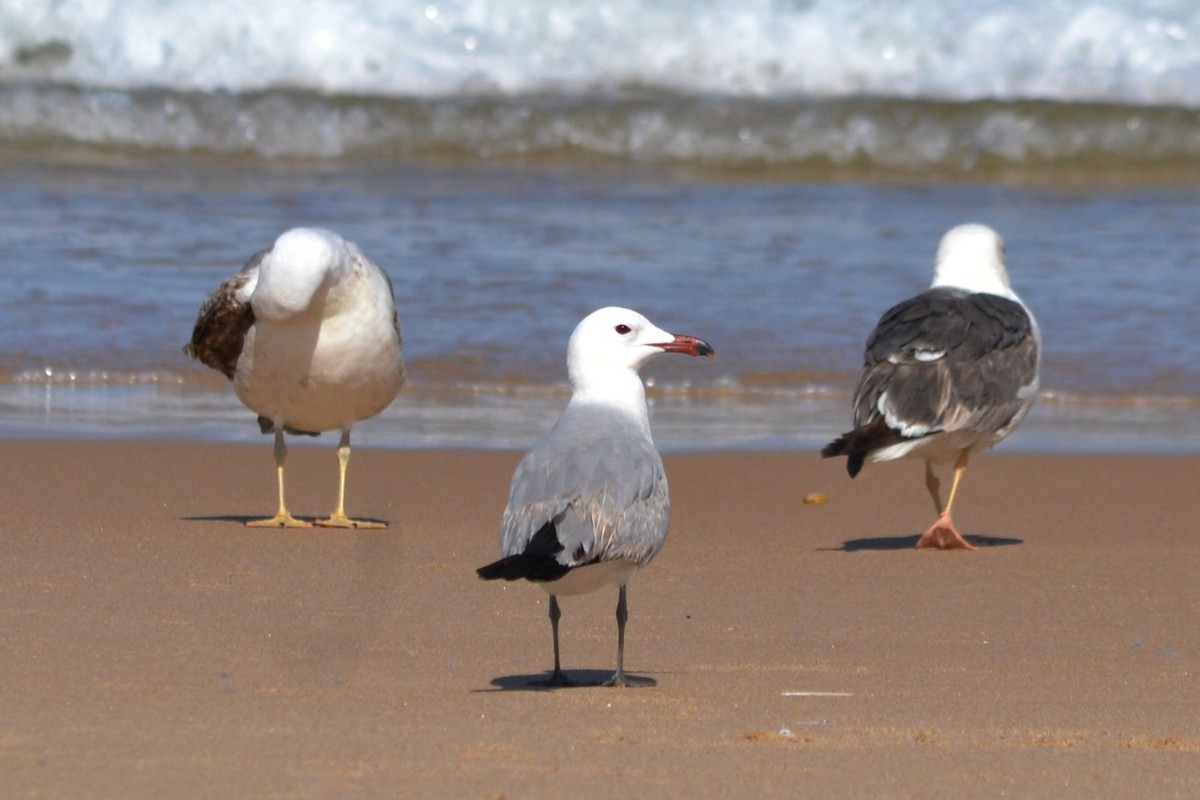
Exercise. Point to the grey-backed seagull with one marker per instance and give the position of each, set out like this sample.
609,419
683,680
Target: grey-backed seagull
308,333
588,505
946,373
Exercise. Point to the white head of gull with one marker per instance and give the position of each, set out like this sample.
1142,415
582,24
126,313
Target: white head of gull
948,372
971,257
308,333
588,505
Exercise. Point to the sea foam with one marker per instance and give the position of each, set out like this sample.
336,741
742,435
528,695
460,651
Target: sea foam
1122,51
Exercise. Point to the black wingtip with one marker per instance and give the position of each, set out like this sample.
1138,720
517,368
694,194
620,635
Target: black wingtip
856,457
495,571
854,463
835,448
538,562
523,567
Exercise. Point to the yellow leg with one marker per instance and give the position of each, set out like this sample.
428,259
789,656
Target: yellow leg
283,518
960,467
338,518
943,535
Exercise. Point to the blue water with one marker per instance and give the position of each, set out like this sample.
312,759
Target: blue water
106,267
770,176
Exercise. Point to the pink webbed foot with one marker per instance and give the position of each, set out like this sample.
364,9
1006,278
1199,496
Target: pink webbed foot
943,536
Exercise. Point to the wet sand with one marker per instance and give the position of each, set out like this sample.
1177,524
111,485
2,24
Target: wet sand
154,647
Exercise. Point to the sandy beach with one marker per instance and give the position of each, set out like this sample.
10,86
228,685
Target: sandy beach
154,647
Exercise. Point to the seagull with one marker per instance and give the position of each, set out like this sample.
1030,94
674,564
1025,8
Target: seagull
588,505
946,373
307,332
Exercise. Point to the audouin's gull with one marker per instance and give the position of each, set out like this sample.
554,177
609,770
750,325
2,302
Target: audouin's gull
588,505
948,372
308,333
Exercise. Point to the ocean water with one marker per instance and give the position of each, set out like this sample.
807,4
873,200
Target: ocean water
770,176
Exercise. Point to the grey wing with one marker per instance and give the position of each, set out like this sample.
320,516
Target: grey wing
224,319
948,360
607,499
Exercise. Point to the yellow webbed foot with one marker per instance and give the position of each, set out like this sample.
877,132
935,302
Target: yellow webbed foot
280,520
342,521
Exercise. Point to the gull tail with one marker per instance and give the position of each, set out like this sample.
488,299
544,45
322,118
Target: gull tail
859,443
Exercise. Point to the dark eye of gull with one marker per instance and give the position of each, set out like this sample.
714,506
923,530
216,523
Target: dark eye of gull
623,329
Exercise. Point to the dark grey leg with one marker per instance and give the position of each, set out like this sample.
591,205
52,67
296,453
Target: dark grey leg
558,677
618,678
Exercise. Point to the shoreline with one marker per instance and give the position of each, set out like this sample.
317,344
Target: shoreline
1094,171
156,647
683,420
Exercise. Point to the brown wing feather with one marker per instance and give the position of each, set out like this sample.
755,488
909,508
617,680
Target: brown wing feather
223,322
857,444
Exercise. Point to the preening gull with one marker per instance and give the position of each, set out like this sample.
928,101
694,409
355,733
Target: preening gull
588,505
946,373
307,332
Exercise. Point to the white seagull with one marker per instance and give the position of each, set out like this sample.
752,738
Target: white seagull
588,505
309,335
946,373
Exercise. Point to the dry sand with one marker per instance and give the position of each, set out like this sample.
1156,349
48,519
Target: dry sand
153,647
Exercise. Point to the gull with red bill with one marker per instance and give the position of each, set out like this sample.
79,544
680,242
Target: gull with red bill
588,505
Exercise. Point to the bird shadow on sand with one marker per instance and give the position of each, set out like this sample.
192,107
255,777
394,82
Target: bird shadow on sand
220,518
882,543
579,679
244,519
